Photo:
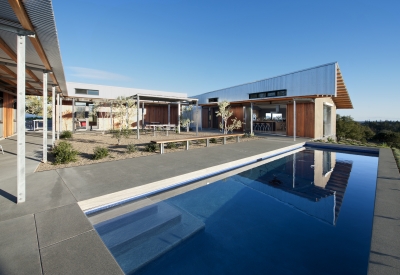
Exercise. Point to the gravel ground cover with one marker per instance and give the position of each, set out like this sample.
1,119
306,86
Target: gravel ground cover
86,142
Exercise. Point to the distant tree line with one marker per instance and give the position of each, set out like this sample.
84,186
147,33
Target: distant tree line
376,131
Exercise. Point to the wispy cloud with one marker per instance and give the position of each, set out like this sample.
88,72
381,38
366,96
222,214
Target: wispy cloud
96,74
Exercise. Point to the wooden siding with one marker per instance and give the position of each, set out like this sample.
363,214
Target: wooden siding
159,113
304,119
204,118
8,115
238,113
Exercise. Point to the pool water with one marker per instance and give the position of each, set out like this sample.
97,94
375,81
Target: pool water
307,213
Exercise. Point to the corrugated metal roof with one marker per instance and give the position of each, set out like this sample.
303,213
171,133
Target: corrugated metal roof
41,16
316,81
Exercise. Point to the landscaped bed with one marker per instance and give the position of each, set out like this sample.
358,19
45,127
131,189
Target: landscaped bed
86,142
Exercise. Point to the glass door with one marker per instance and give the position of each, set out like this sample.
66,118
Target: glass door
327,120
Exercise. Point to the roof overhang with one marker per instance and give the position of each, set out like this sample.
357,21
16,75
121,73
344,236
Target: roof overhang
342,99
34,19
161,98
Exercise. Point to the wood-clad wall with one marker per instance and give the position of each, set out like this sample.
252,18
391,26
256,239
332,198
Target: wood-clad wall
237,112
204,118
304,119
8,117
159,113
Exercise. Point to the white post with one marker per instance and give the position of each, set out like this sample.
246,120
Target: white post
58,116
73,115
179,118
197,118
137,114
111,117
53,115
21,194
142,115
294,120
251,118
44,116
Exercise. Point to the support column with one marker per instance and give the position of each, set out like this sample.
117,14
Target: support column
143,115
137,114
44,116
294,120
53,115
58,116
73,115
197,118
111,117
251,118
21,194
179,118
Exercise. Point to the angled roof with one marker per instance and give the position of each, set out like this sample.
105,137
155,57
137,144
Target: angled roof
342,97
42,51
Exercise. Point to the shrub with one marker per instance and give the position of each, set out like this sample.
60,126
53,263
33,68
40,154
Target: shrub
171,145
396,153
66,134
331,140
64,153
213,140
201,141
131,148
150,147
119,134
100,152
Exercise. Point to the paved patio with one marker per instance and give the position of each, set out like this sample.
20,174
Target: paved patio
50,234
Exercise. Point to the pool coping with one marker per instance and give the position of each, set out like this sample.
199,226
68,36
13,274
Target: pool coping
100,203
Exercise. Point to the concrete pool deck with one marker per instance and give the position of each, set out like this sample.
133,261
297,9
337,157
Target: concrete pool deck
50,234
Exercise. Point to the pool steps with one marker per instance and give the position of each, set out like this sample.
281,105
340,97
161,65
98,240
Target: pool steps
145,234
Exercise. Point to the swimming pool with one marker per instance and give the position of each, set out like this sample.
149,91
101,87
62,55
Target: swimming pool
309,212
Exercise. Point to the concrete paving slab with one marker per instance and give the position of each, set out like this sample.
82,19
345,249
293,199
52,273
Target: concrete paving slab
19,253
83,254
45,190
58,224
385,243
91,181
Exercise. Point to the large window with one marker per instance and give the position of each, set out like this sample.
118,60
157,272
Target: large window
215,99
268,94
86,92
327,120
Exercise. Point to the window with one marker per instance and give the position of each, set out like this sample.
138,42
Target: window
93,92
268,94
86,92
215,99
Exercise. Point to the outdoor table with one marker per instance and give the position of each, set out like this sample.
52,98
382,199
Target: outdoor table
34,123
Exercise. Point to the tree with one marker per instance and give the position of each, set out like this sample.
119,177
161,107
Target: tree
123,109
185,117
34,105
346,127
225,113
100,109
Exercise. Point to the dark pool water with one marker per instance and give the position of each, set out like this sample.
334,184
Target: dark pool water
307,213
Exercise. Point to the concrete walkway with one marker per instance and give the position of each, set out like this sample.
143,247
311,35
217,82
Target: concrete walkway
50,234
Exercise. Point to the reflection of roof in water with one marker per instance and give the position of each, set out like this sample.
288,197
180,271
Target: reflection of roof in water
338,182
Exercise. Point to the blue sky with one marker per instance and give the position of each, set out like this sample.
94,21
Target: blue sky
200,46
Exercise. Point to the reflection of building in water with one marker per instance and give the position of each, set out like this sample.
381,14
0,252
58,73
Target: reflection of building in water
313,181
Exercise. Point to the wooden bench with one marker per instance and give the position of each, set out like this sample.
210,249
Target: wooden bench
207,138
